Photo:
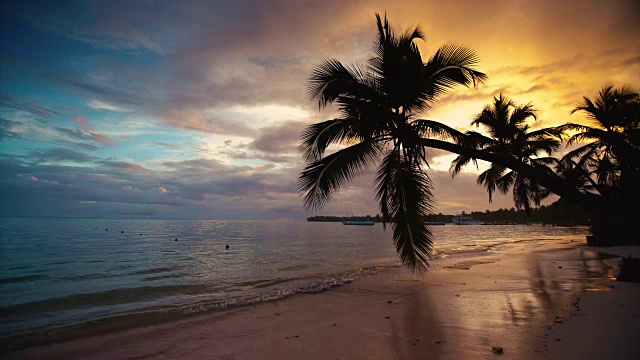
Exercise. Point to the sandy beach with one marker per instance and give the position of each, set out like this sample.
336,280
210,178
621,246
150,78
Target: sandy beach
535,300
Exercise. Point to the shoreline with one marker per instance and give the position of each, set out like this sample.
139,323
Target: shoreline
518,299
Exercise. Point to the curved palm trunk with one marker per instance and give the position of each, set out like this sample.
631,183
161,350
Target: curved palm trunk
590,202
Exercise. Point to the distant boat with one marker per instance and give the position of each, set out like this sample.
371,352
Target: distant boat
466,220
352,222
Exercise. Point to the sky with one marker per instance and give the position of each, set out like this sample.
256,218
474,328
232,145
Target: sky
194,109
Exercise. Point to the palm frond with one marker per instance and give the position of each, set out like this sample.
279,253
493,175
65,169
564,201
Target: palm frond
489,178
322,178
317,137
477,140
431,128
331,79
505,182
544,161
525,192
581,152
521,114
459,162
404,192
545,133
451,65
487,117
533,147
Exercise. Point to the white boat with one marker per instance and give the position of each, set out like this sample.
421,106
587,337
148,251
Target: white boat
466,220
351,222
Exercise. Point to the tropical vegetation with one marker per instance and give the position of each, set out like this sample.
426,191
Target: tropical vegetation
379,123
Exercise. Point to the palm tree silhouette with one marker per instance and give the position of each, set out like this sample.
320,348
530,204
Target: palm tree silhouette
613,141
379,105
609,157
508,130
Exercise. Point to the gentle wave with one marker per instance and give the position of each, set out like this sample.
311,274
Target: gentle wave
88,280
156,314
23,279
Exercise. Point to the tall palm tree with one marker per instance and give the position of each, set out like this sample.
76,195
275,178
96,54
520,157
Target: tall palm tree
508,133
612,148
576,174
379,106
609,154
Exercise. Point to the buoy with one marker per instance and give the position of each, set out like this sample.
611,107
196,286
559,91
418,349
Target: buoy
227,246
176,240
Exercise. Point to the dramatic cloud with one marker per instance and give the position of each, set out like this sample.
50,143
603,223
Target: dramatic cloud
194,109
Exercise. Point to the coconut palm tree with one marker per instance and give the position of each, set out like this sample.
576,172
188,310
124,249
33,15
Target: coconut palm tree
508,133
609,154
612,148
379,105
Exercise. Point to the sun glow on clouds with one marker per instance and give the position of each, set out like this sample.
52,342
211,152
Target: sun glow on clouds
35,179
217,114
451,204
101,105
268,114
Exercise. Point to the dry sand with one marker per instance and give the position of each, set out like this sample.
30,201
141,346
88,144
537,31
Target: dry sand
536,300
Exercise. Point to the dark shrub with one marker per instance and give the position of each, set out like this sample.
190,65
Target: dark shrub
629,269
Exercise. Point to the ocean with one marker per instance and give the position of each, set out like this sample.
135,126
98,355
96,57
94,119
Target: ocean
60,277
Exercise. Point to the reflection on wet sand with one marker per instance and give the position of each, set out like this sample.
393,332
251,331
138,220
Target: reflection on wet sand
451,313
512,303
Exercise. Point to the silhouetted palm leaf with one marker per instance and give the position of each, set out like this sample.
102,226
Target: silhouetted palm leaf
378,106
405,194
613,144
509,134
320,179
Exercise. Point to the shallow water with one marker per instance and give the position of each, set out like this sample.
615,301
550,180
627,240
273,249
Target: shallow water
62,273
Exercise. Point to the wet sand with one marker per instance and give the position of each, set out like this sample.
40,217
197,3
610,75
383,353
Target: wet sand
521,298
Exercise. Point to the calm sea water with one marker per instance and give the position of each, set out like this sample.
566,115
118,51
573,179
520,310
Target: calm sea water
59,275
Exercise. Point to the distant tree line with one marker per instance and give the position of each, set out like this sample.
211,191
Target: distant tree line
558,213
554,214
376,218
